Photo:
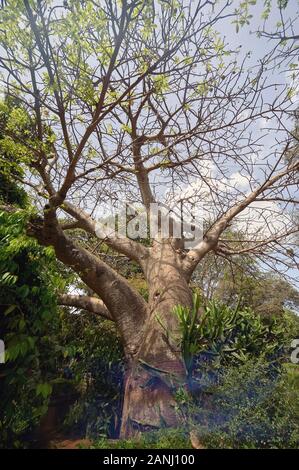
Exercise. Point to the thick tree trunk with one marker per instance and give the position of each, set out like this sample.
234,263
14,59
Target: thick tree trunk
158,369
149,331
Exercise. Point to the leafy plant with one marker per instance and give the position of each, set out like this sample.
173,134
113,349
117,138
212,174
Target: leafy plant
247,408
188,330
95,361
29,324
219,334
242,395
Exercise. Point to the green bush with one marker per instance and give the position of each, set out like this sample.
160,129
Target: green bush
214,335
29,322
248,408
94,358
240,392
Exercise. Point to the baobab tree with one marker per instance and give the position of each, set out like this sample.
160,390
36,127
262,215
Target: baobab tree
145,101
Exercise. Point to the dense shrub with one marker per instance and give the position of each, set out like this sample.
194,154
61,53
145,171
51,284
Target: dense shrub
95,362
247,408
240,393
29,322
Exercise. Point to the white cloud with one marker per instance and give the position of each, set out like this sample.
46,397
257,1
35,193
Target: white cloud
238,180
263,219
263,123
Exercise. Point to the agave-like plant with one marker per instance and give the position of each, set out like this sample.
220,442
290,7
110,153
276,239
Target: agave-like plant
189,331
226,335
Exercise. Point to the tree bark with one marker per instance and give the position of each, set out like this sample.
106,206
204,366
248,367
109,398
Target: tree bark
84,302
158,369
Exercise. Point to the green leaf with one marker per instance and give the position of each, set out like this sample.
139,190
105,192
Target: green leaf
44,389
10,309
